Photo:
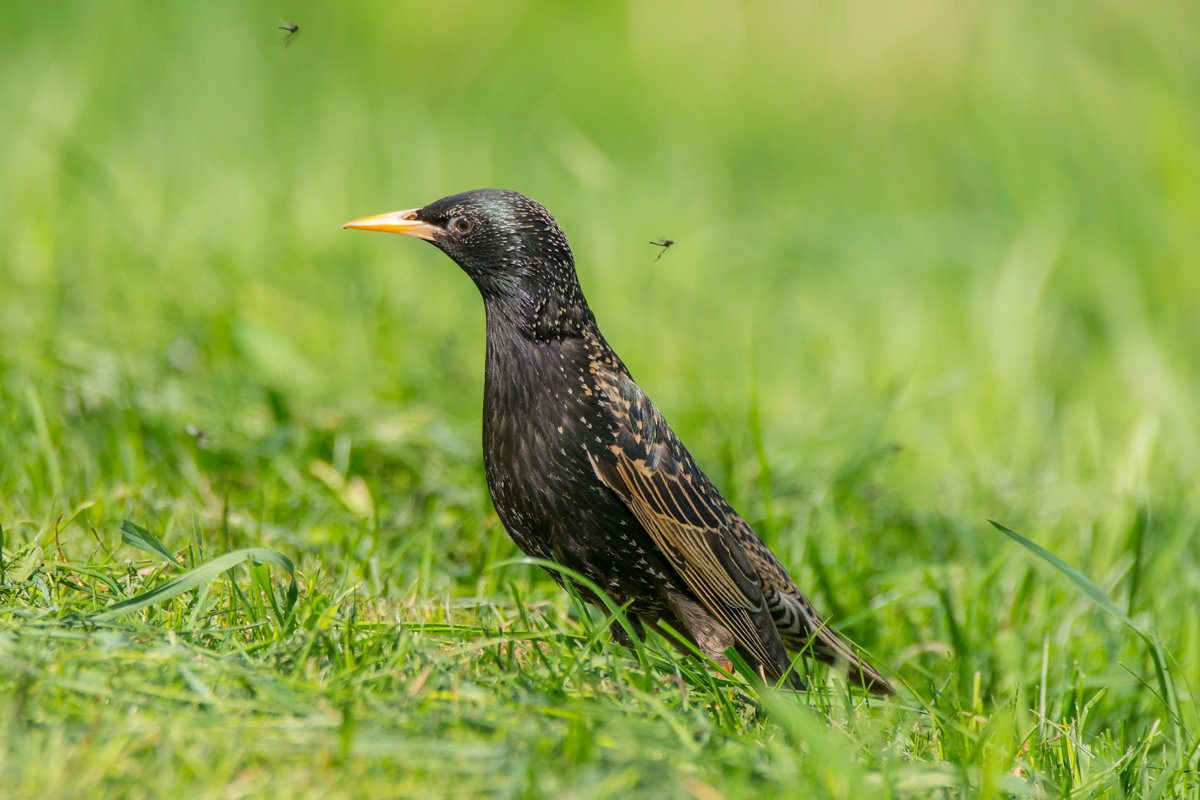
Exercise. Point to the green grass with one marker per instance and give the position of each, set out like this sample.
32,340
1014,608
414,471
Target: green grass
936,264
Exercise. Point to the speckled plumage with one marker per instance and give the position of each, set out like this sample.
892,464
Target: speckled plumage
584,470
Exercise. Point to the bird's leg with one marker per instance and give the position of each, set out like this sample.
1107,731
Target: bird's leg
691,621
710,636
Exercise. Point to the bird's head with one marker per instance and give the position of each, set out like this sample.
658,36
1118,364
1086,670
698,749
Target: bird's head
510,245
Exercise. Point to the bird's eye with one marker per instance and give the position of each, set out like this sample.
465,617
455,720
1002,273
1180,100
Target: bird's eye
460,225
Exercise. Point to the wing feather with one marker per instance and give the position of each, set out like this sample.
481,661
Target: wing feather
736,603
647,467
721,560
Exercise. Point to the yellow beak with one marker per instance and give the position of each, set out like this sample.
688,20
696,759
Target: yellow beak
405,222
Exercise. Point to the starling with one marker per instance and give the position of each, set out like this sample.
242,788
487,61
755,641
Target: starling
584,470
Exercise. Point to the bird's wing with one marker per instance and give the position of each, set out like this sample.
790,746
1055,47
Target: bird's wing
645,464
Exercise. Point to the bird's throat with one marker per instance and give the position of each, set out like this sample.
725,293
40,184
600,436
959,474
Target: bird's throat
542,314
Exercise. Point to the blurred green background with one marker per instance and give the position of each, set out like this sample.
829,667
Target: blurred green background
936,263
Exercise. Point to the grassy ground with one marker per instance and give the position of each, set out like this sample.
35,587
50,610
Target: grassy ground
936,264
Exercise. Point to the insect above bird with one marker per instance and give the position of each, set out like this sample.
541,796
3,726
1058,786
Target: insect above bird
292,28
665,244
583,469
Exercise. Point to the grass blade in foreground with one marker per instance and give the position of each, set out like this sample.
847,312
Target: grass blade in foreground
615,612
135,535
194,577
1166,685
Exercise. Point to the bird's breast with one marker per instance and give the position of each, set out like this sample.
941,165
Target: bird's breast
539,416
544,421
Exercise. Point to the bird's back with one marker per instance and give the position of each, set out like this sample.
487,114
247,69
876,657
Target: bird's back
679,502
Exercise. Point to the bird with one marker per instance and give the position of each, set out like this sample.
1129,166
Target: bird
583,469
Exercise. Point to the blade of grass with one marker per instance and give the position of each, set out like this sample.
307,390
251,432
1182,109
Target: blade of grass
135,535
614,611
195,577
1099,598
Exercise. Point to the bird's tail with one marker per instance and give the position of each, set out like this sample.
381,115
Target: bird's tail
833,650
810,635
